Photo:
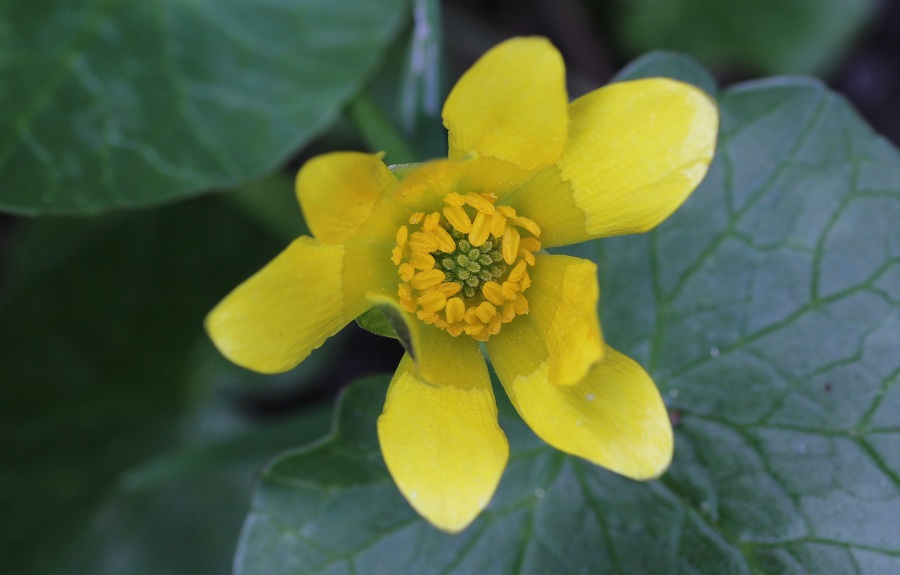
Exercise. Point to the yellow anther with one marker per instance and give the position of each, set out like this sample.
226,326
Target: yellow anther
431,221
421,261
486,311
507,211
446,264
493,292
432,301
525,282
521,305
495,324
481,229
448,288
530,244
402,236
527,256
396,255
517,272
510,290
529,225
481,204
426,279
456,309
422,242
510,247
426,316
458,218
474,329
406,271
444,241
454,199
498,224
405,295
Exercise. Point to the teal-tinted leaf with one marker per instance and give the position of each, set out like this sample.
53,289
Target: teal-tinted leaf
387,321
403,101
180,513
104,365
115,104
421,89
378,132
214,457
376,321
669,65
273,204
768,311
770,36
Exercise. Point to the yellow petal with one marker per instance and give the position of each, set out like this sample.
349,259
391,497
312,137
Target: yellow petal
442,444
615,417
272,321
563,302
487,175
438,355
424,187
561,333
338,191
636,151
511,105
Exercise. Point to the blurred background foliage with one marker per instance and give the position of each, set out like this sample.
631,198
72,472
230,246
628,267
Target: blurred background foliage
155,145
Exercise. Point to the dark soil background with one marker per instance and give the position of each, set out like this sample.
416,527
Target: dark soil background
870,76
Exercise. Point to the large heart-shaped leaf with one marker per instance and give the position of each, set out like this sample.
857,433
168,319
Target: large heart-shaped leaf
122,104
768,310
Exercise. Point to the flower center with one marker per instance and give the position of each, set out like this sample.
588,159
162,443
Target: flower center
469,266
465,268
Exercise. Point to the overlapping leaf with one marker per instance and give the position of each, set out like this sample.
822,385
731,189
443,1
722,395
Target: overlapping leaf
768,310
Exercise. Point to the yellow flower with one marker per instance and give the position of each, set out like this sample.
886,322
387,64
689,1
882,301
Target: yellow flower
454,247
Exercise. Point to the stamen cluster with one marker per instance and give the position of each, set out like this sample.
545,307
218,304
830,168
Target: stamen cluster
464,269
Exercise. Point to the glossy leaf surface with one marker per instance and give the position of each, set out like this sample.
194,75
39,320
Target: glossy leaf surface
122,104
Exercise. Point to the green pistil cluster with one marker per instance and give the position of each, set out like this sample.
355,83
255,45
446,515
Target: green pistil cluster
471,267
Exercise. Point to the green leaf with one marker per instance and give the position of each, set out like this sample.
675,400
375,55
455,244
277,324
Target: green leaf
377,131
109,105
669,65
402,103
422,89
376,321
767,309
769,36
214,457
122,452
180,513
273,203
